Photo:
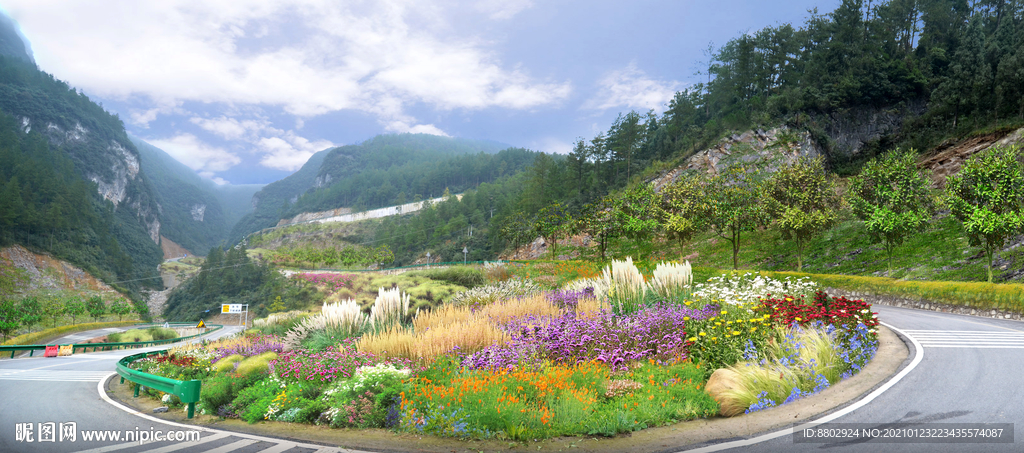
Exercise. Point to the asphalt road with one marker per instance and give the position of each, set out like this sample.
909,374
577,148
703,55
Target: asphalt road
971,372
64,390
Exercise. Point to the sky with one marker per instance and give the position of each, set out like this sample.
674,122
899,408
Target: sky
246,92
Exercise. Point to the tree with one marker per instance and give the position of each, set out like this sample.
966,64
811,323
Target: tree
74,308
892,197
638,214
599,221
9,317
515,229
734,206
987,197
551,222
31,312
52,308
95,307
120,308
802,201
685,204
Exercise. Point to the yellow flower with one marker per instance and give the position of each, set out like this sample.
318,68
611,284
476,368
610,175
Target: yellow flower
714,338
686,318
687,303
753,329
735,332
725,312
718,323
691,339
702,334
797,318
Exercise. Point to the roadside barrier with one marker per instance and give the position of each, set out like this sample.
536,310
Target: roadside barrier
84,347
186,391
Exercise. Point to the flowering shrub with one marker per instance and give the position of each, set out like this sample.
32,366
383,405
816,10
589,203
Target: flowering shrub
329,282
836,311
246,346
559,399
739,288
324,366
658,332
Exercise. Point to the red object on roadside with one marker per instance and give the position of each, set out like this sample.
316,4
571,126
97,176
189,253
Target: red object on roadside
52,351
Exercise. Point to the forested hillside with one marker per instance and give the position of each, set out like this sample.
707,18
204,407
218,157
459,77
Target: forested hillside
82,195
270,203
193,213
383,171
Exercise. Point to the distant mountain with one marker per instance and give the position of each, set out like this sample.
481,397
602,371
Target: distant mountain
71,179
269,202
195,212
383,171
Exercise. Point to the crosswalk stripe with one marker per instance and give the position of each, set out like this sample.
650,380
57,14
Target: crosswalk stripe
968,339
183,445
233,446
54,375
281,447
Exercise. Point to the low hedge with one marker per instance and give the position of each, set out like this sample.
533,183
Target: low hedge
36,337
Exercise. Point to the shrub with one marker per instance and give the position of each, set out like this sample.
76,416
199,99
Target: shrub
160,333
492,293
259,364
227,364
459,275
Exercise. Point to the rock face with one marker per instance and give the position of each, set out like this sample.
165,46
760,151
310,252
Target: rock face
948,158
722,381
851,129
198,210
45,271
772,149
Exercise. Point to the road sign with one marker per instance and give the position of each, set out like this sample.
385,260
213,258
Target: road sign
231,308
201,325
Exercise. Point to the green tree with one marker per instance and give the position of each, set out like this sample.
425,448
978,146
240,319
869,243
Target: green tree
802,201
893,199
599,221
685,204
9,317
52,307
987,197
515,230
95,307
733,202
551,223
74,308
31,311
638,214
120,308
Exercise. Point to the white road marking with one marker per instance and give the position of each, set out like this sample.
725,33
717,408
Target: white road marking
53,375
177,446
233,446
968,339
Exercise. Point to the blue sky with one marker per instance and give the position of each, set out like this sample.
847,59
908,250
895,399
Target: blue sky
245,92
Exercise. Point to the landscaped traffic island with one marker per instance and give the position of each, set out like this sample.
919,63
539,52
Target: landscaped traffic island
609,354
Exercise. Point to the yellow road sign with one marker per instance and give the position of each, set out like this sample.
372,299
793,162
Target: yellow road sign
201,324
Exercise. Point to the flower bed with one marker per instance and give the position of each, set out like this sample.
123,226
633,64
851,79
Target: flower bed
553,363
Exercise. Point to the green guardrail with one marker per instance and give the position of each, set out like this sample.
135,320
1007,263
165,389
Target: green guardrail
186,391
32,348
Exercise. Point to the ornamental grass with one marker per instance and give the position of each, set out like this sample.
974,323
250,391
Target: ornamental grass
390,308
441,338
671,280
627,286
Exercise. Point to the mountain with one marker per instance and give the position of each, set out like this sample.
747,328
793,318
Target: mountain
195,213
268,203
383,171
72,182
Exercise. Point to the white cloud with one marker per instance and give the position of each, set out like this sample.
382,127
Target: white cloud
503,9
308,56
553,145
212,177
191,151
289,151
231,128
631,88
